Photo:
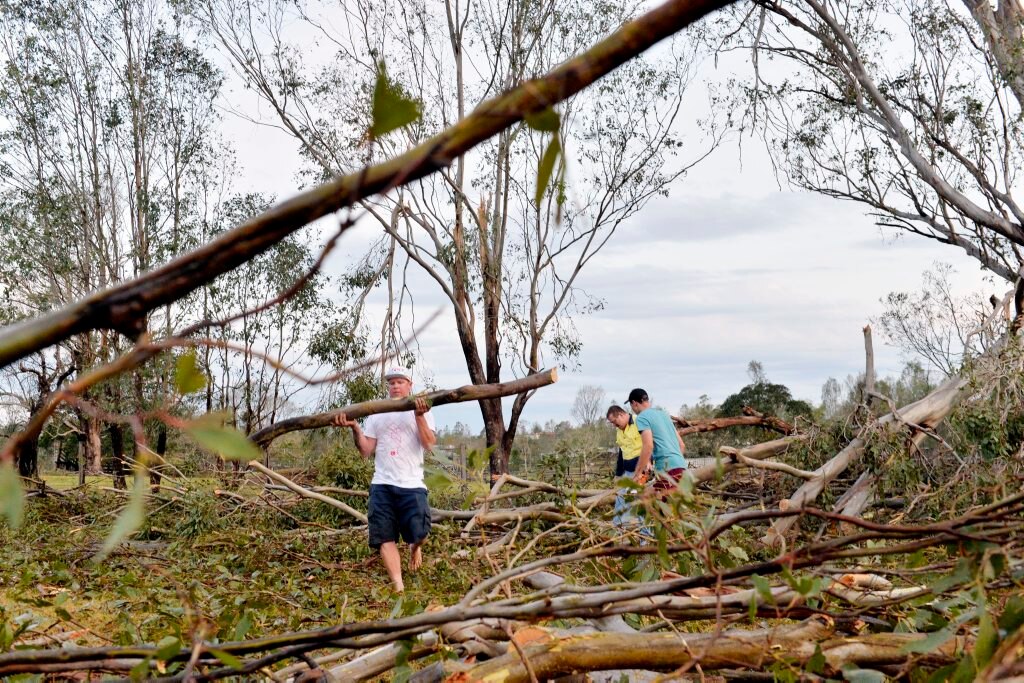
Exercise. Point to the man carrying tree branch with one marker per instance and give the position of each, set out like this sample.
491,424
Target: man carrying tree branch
398,495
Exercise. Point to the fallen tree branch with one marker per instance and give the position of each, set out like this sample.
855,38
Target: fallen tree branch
750,418
469,392
728,462
334,502
928,411
987,524
768,465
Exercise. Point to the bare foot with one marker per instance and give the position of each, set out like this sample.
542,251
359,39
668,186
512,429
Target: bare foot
415,558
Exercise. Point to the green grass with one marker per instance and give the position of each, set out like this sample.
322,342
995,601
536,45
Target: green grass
63,482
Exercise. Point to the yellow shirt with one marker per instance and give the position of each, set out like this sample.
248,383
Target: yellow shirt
628,440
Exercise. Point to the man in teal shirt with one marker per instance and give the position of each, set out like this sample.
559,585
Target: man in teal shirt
661,443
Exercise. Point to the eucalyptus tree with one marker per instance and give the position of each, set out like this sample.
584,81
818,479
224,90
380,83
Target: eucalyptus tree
107,110
503,235
912,108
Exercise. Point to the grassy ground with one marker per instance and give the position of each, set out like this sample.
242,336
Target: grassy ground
204,562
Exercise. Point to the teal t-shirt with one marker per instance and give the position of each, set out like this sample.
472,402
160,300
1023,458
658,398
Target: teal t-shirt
667,455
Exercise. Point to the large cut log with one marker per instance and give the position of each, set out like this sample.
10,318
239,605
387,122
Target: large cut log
728,650
470,392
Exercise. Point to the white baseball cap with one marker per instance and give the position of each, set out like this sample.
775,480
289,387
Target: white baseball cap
398,371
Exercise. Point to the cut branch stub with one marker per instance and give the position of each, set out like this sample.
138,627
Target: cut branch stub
470,392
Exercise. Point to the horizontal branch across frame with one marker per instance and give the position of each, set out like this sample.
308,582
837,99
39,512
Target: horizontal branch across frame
123,307
469,392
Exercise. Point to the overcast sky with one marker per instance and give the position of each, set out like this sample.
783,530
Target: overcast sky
727,269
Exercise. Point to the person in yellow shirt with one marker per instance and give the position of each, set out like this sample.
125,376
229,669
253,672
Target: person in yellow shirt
627,438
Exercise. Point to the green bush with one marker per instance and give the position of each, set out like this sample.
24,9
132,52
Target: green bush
342,465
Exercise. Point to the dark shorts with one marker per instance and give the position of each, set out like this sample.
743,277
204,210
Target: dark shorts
395,511
629,466
665,482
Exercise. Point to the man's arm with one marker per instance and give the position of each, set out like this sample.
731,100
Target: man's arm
682,446
364,444
646,449
427,437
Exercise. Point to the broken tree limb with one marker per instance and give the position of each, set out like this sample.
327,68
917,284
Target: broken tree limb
929,412
334,502
612,623
470,392
322,489
769,465
761,451
858,497
869,366
750,418
498,483
384,658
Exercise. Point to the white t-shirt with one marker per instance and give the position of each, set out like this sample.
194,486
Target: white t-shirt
398,460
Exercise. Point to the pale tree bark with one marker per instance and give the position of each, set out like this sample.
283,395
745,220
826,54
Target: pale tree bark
930,142
1003,27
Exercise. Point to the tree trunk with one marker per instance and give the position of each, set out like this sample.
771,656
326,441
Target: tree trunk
161,449
81,458
93,447
494,433
28,459
117,448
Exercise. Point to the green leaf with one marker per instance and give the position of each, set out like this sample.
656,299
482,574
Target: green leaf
12,499
963,573
855,675
662,537
168,647
242,627
128,521
966,670
140,672
628,483
546,121
931,642
187,375
392,108
739,553
764,589
226,441
988,638
226,658
942,675
1013,614
816,664
437,480
6,637
546,167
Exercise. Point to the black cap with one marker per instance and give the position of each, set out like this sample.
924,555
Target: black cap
637,395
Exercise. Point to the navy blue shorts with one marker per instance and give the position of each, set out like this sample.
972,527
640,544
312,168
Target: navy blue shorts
396,511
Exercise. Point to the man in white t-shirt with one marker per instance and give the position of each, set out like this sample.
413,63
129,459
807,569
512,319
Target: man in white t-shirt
398,496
